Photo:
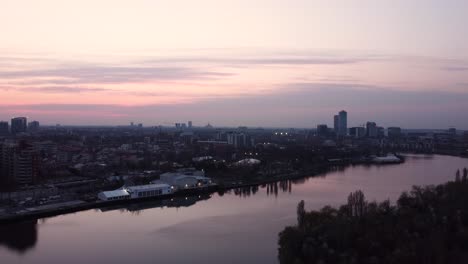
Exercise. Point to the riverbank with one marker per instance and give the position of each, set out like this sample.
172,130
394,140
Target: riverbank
222,186
427,225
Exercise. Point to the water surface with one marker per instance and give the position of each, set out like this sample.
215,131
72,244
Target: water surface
238,227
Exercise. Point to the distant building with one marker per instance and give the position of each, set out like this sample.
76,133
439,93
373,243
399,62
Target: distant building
343,123
371,130
33,126
19,163
18,125
190,124
322,130
394,132
239,140
380,132
336,123
357,132
452,131
4,128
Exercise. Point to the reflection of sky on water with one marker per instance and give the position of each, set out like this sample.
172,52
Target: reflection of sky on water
239,226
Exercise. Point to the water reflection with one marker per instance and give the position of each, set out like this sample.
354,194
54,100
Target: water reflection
221,229
138,207
19,237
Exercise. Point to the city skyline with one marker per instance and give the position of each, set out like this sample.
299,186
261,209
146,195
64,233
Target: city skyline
281,65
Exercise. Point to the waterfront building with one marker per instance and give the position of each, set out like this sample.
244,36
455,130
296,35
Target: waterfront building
149,190
18,125
120,194
180,180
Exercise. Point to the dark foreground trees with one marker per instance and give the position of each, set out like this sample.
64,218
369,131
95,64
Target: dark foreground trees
427,225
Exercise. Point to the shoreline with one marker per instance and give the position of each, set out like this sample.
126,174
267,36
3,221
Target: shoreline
79,205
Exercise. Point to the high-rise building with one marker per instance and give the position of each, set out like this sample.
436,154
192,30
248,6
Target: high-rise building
371,130
322,130
33,126
342,123
239,140
357,132
4,128
18,125
189,124
452,131
394,132
336,123
380,132
19,163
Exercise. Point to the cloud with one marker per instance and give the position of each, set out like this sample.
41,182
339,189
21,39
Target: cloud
62,89
455,68
296,105
113,74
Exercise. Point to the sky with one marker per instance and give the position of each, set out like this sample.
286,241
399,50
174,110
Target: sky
266,63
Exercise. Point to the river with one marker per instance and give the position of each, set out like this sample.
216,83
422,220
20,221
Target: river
236,227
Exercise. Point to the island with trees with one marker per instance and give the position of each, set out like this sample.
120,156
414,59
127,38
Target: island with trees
426,225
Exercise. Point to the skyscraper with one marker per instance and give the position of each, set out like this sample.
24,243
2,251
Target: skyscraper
336,124
342,123
371,129
18,125
322,130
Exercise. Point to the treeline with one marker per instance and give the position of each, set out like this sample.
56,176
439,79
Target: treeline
426,225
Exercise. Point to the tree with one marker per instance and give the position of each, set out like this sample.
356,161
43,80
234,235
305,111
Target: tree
300,213
465,174
457,176
357,203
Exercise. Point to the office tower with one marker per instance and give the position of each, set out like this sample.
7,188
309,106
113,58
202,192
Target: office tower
239,140
394,132
18,125
380,132
452,131
189,124
33,126
322,130
371,130
4,128
336,124
19,163
357,132
342,123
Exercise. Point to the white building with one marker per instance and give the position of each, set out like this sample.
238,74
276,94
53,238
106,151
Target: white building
120,194
184,181
149,190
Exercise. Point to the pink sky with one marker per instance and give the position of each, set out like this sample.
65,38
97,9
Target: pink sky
234,62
